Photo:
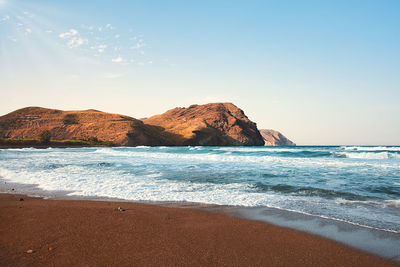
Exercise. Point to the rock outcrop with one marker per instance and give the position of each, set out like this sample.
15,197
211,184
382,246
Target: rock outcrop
215,124
121,130
275,138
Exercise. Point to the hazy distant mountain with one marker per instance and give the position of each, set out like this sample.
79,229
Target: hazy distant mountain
275,138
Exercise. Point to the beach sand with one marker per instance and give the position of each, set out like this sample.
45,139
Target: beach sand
38,232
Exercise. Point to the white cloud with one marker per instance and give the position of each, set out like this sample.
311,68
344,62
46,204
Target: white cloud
102,41
113,75
5,18
68,34
137,46
117,60
49,31
28,31
73,38
140,43
76,42
109,26
99,48
13,39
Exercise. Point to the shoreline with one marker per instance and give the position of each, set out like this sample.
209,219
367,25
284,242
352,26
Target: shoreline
378,242
93,232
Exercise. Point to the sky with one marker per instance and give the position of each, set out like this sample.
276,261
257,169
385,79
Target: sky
320,72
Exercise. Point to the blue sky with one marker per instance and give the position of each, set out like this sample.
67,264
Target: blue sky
321,72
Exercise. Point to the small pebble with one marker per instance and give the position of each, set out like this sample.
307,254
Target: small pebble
30,251
21,199
50,249
121,209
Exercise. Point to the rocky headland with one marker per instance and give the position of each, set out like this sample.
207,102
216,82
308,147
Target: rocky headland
214,124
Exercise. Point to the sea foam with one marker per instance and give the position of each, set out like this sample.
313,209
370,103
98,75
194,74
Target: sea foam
361,187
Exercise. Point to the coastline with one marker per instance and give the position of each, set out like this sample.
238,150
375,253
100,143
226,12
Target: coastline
85,232
377,242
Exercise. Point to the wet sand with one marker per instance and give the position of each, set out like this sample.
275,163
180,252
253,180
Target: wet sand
95,233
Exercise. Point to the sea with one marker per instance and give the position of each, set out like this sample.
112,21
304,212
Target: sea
354,185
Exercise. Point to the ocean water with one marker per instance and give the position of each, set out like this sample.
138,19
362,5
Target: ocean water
358,185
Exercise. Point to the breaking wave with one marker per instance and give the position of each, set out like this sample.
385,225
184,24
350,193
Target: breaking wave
356,184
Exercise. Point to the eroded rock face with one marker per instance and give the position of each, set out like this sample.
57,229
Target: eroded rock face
122,130
215,124
275,138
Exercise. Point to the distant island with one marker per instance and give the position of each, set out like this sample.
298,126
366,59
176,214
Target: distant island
214,124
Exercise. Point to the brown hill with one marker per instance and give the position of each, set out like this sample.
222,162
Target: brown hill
219,124
275,138
121,130
215,124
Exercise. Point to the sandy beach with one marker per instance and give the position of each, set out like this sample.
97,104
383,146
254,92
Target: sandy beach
38,232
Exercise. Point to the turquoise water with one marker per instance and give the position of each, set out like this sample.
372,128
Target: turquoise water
359,185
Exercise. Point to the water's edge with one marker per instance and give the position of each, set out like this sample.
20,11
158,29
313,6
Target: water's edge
378,242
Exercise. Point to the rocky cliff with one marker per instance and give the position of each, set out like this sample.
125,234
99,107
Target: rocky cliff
217,124
275,138
121,130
